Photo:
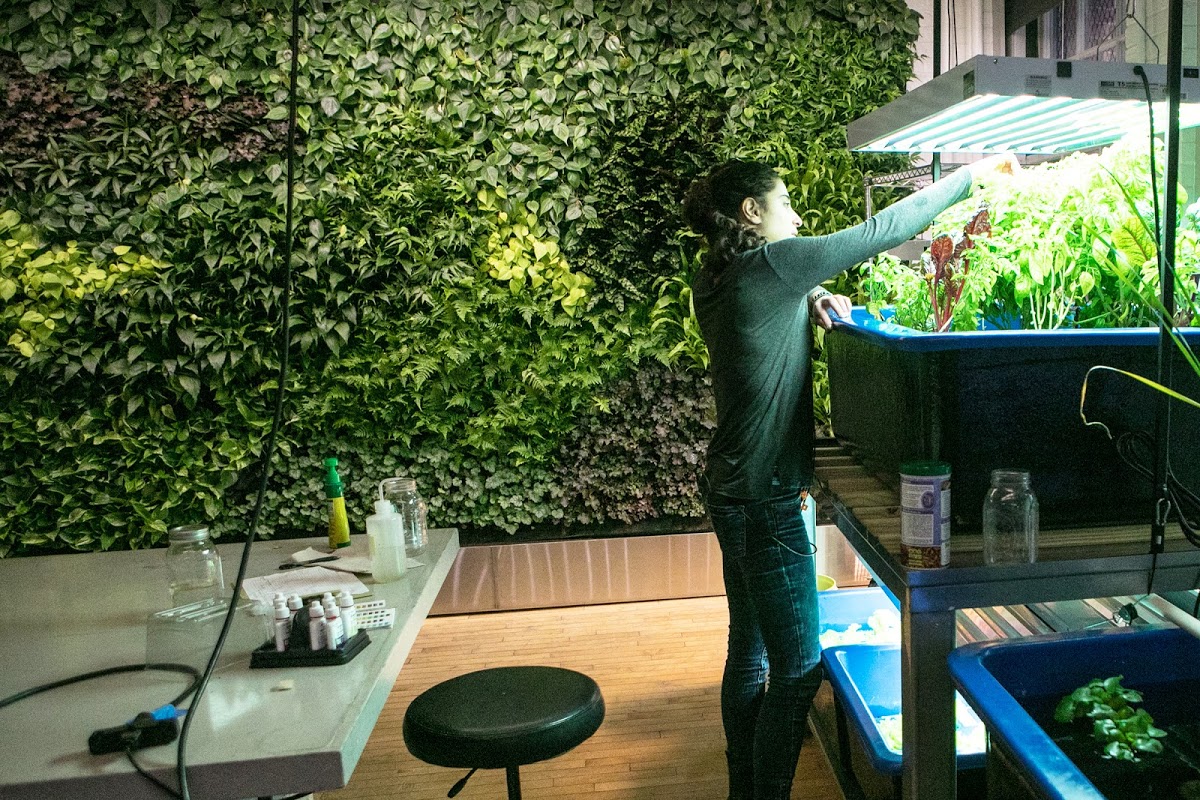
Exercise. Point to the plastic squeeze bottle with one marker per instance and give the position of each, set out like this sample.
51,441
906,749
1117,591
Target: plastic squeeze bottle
385,536
339,527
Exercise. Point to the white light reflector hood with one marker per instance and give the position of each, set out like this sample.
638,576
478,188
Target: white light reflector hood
1037,106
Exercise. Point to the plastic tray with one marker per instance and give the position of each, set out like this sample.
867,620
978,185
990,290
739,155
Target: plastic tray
267,657
1014,683
866,678
841,608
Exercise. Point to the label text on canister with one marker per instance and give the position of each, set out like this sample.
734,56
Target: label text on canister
925,520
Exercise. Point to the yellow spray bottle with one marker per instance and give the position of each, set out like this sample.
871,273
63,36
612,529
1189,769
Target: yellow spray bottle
339,527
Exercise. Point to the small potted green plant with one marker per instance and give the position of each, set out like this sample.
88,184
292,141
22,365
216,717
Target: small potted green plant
1121,729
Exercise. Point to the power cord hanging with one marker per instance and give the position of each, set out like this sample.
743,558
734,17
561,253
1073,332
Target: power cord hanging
1141,73
129,751
277,420
1136,448
1128,442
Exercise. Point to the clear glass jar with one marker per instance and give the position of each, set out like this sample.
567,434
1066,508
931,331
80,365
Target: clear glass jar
411,507
1010,519
193,565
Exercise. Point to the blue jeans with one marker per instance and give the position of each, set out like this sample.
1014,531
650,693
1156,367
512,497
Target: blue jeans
773,668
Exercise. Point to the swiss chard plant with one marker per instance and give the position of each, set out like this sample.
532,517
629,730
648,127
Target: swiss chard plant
947,265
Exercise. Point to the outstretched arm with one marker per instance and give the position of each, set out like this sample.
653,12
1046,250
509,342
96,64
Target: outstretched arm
812,260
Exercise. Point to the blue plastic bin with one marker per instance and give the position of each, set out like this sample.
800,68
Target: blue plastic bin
842,608
866,678
983,400
1015,685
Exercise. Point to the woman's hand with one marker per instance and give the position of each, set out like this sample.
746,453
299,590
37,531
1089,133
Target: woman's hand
825,308
1004,164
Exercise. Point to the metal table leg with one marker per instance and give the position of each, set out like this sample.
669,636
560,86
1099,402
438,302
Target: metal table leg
927,704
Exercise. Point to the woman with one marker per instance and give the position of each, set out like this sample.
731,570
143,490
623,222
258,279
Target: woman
754,296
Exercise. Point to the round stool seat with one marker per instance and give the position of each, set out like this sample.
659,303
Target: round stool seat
503,717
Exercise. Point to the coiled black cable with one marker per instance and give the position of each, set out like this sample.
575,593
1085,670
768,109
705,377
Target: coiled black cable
100,673
1136,449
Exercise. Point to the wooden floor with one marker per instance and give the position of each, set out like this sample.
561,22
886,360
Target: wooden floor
658,665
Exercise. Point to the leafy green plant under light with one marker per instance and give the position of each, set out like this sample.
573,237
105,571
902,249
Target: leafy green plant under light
1121,731
1072,245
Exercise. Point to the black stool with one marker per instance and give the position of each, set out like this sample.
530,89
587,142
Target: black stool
502,718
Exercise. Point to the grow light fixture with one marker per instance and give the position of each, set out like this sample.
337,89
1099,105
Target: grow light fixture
1032,106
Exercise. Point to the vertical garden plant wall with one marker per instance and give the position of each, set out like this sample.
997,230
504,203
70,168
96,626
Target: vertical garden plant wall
490,273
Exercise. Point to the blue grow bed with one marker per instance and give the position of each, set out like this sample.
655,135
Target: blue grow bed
1015,685
990,399
867,679
865,326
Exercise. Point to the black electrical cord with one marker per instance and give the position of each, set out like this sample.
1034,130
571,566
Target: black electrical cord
100,673
1136,449
952,13
276,422
129,751
1140,72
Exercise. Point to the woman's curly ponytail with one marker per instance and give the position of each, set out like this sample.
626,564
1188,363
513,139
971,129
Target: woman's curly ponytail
711,207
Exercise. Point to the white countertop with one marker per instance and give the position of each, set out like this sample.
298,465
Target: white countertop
70,614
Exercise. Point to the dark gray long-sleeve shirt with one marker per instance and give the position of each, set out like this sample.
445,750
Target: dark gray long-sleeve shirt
755,323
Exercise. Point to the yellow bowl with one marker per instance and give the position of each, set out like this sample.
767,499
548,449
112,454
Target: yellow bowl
825,583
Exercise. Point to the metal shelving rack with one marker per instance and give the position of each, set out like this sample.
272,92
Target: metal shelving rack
930,599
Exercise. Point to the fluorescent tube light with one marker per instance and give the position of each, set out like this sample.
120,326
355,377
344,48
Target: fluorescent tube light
1031,106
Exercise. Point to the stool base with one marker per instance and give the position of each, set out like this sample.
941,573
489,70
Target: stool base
514,782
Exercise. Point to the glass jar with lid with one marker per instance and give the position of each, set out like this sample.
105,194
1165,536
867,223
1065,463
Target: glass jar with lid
412,508
193,565
1010,519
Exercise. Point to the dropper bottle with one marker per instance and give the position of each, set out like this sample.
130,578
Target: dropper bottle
283,625
385,537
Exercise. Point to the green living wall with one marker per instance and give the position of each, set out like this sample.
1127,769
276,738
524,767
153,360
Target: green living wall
490,287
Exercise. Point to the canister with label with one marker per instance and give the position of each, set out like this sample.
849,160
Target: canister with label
924,514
